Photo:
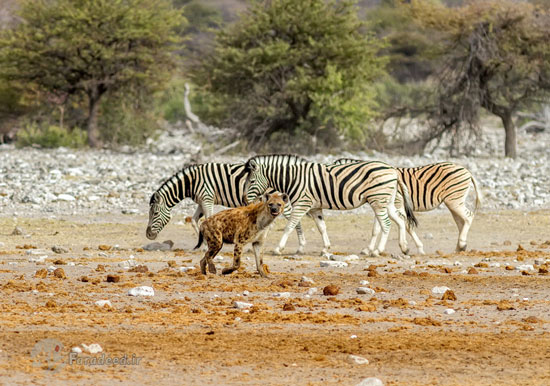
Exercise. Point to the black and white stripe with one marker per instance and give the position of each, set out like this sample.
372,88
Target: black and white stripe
432,185
314,186
207,184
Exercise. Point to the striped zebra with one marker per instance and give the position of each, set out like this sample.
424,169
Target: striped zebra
313,186
207,184
429,187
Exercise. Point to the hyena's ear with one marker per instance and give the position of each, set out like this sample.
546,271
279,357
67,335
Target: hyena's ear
284,197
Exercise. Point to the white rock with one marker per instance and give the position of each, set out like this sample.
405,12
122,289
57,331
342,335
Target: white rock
364,282
246,293
127,264
525,267
77,350
39,259
237,319
71,263
370,382
333,264
412,303
186,269
142,291
306,279
102,303
457,264
312,291
353,337
365,291
282,294
494,265
2,244
218,259
51,268
65,197
241,305
164,246
357,360
94,348
440,290
449,311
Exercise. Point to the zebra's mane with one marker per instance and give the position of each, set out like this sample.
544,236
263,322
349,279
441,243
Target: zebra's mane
341,161
282,157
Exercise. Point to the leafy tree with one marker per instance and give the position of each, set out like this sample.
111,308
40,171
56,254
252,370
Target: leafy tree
81,48
497,57
295,66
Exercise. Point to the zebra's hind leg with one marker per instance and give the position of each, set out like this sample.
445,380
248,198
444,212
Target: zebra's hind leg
395,216
463,219
317,215
372,243
381,213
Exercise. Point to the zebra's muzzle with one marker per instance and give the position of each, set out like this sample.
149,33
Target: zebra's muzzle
150,234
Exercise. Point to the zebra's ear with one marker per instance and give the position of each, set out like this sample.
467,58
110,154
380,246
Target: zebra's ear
265,197
284,196
251,166
154,198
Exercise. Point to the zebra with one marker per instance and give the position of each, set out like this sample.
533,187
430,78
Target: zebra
207,184
429,187
314,186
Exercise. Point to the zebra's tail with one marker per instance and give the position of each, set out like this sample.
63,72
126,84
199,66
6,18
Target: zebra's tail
201,239
407,204
479,197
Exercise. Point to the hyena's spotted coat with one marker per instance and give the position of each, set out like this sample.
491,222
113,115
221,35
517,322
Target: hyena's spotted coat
240,226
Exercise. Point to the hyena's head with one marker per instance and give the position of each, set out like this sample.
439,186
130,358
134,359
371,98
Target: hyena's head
159,215
275,202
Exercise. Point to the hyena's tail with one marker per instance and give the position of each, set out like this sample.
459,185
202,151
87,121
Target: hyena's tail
201,239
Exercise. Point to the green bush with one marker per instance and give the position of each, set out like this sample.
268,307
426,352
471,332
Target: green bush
51,136
126,122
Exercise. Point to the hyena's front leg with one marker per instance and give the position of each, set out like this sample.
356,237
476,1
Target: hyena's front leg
237,253
257,246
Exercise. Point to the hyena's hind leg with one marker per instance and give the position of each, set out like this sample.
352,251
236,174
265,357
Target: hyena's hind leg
237,253
214,246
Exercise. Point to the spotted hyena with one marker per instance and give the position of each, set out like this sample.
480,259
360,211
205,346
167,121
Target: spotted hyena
240,226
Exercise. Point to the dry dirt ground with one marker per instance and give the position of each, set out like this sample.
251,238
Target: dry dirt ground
190,333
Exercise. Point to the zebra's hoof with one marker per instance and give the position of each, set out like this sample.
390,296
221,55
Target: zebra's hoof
461,248
300,251
421,251
375,253
366,252
277,251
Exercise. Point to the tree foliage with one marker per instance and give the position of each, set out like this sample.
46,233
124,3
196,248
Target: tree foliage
295,67
81,48
496,57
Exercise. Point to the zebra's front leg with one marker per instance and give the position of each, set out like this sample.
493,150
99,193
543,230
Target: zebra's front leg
374,236
317,215
299,232
297,214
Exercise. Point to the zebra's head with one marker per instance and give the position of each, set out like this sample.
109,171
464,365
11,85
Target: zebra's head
159,215
256,181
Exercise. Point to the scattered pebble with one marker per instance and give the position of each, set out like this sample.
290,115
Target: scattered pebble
282,294
306,279
449,311
102,303
186,269
58,249
365,291
357,360
93,348
164,246
312,291
333,264
331,290
525,267
440,290
364,282
77,350
353,337
246,293
241,305
65,197
218,259
39,259
59,273
17,231
142,291
370,382
113,278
